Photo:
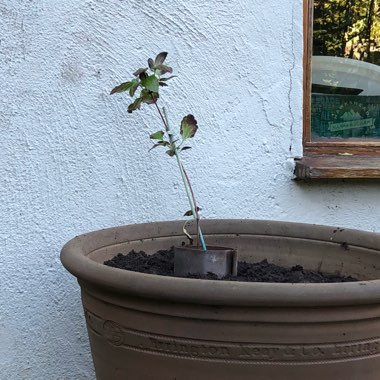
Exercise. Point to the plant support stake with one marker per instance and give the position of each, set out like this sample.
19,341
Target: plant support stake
186,182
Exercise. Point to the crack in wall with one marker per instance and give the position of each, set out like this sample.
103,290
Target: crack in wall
263,102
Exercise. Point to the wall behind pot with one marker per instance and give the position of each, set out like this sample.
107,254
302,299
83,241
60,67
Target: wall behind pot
73,160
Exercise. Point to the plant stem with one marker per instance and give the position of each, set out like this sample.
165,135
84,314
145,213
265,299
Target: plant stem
185,178
162,117
195,206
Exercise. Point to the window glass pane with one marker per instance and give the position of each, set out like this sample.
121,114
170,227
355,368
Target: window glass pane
345,100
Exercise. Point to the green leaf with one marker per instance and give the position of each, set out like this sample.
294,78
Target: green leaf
170,152
157,135
160,59
149,97
134,86
140,71
185,148
135,105
165,79
160,143
190,212
151,83
164,69
122,87
188,127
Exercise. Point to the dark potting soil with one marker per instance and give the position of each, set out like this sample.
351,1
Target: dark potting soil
162,263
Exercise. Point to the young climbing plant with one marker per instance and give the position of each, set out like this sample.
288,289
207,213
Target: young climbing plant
146,83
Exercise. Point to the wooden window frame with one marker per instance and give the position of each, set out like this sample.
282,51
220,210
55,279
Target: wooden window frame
333,158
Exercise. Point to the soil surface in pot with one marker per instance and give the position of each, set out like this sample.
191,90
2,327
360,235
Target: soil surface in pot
162,263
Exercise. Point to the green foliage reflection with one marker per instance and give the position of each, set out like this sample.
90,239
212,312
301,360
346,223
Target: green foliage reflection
347,28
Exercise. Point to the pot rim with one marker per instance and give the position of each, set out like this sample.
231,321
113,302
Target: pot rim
74,257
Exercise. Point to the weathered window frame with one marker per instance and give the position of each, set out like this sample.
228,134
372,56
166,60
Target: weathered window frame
332,158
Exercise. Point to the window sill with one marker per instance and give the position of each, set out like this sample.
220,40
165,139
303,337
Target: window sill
337,166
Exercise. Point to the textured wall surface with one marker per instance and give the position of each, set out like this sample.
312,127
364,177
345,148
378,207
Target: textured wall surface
72,159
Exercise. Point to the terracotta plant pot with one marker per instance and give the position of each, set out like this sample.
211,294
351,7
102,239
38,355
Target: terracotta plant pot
148,327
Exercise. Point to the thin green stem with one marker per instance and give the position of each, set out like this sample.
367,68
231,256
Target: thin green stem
192,203
162,118
185,178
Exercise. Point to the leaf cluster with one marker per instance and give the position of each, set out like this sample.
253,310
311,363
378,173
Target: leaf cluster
149,80
188,129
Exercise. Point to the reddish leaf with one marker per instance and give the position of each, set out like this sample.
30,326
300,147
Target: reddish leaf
140,71
160,143
134,87
188,127
135,105
122,87
160,59
165,79
190,212
151,63
164,69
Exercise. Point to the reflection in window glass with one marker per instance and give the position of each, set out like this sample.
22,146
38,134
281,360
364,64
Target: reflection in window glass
346,69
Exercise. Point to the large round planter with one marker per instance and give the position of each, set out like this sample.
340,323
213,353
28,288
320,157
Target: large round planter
148,327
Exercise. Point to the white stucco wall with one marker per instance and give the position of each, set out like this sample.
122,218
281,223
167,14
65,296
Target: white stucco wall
73,160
